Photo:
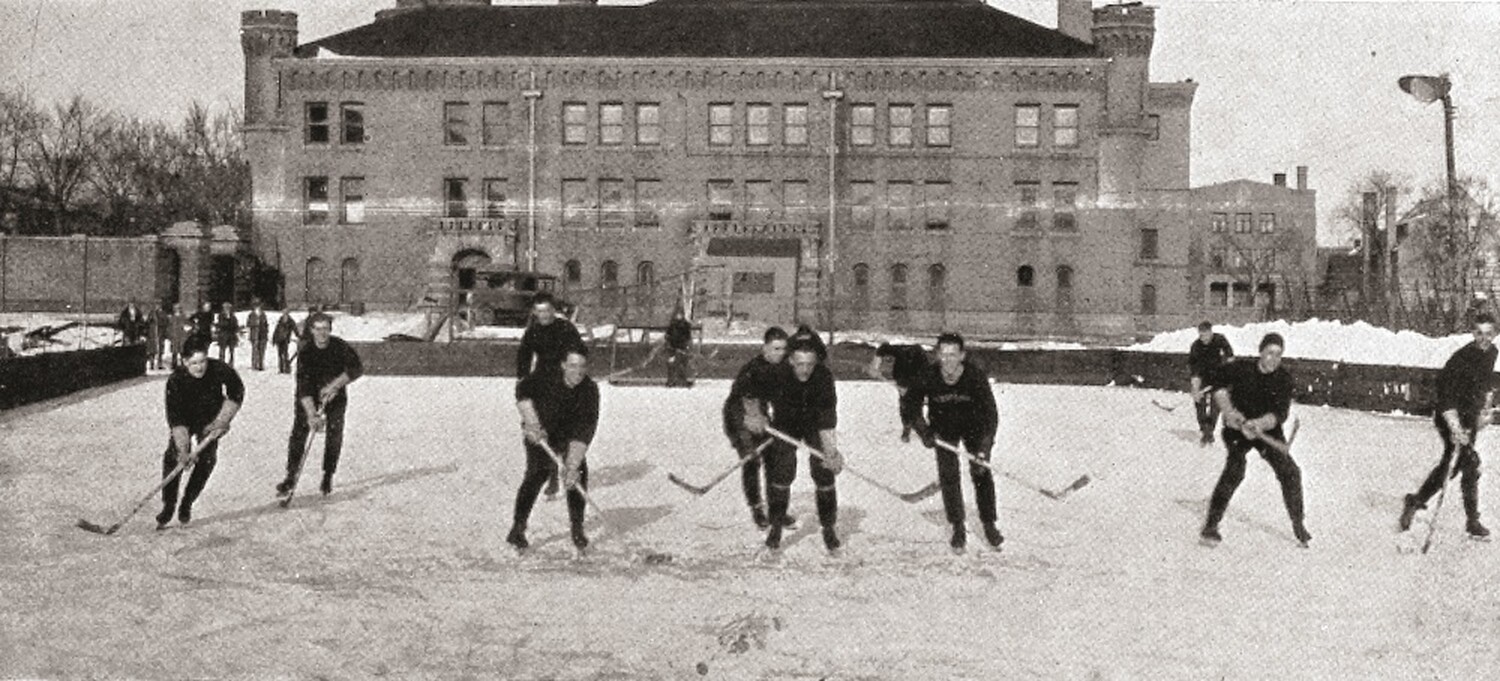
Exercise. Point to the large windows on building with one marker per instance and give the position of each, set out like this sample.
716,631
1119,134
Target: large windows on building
898,287
572,273
796,199
648,197
760,201
352,119
455,123
612,123
353,203
1028,125
939,125
575,123
937,286
1218,294
1065,125
495,197
794,125
862,205
901,118
1153,127
720,124
648,123
315,200
1028,199
758,125
576,203
455,197
720,200
1064,206
1148,299
1148,249
862,125
1242,222
937,205
612,206
1218,258
1218,223
315,123
1064,287
1267,223
494,122
900,198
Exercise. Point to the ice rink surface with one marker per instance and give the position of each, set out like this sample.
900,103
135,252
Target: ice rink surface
403,572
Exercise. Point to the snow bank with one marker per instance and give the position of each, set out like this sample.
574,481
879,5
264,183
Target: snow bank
1358,343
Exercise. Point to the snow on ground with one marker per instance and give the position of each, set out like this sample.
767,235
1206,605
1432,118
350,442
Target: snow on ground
403,572
1358,342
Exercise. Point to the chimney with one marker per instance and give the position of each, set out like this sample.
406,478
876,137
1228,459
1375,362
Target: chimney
1075,19
1301,178
1278,179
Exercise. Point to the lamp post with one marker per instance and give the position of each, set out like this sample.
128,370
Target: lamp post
1428,89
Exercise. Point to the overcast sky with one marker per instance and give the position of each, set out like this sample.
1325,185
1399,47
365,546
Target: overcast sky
1281,84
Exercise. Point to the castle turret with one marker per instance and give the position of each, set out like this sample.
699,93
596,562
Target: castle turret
1124,33
265,35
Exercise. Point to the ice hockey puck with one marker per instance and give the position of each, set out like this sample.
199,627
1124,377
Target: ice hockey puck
703,668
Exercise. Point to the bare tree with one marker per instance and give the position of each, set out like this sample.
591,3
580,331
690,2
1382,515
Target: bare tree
212,174
1451,248
59,159
19,121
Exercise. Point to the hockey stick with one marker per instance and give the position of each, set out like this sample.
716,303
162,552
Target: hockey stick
908,497
183,465
1163,407
1055,496
1443,492
701,490
575,486
312,437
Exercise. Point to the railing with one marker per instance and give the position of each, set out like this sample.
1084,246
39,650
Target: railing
506,226
759,227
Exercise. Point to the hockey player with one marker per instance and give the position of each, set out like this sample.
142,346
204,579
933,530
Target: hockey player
804,405
679,343
286,332
227,332
1255,398
745,443
905,363
806,334
1464,400
259,327
203,396
960,411
1206,356
325,365
561,408
545,340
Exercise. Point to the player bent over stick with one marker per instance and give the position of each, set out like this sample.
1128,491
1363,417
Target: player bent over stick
961,409
804,406
1463,388
325,365
745,443
202,398
1255,398
560,410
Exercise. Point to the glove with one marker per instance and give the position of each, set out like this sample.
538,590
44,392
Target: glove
985,448
928,439
571,466
1234,419
316,421
1460,437
327,394
833,461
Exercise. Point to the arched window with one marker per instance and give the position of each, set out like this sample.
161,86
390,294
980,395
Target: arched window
862,278
609,274
937,278
312,286
645,273
572,272
898,274
1064,277
1148,299
349,281
1025,276
898,286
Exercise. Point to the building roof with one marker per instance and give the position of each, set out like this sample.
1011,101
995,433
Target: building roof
955,29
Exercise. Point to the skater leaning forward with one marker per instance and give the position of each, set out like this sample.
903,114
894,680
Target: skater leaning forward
906,363
203,395
1206,358
960,411
325,365
1255,398
803,405
546,338
1463,405
559,408
746,443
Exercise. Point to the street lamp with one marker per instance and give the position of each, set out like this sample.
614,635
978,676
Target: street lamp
1428,89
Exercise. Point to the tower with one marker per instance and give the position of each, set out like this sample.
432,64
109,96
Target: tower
1124,33
265,35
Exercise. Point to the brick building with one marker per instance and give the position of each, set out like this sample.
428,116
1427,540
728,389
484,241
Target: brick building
1253,253
897,164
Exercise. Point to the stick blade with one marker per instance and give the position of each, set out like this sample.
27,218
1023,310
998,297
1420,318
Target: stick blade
685,485
1078,484
87,526
913,497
